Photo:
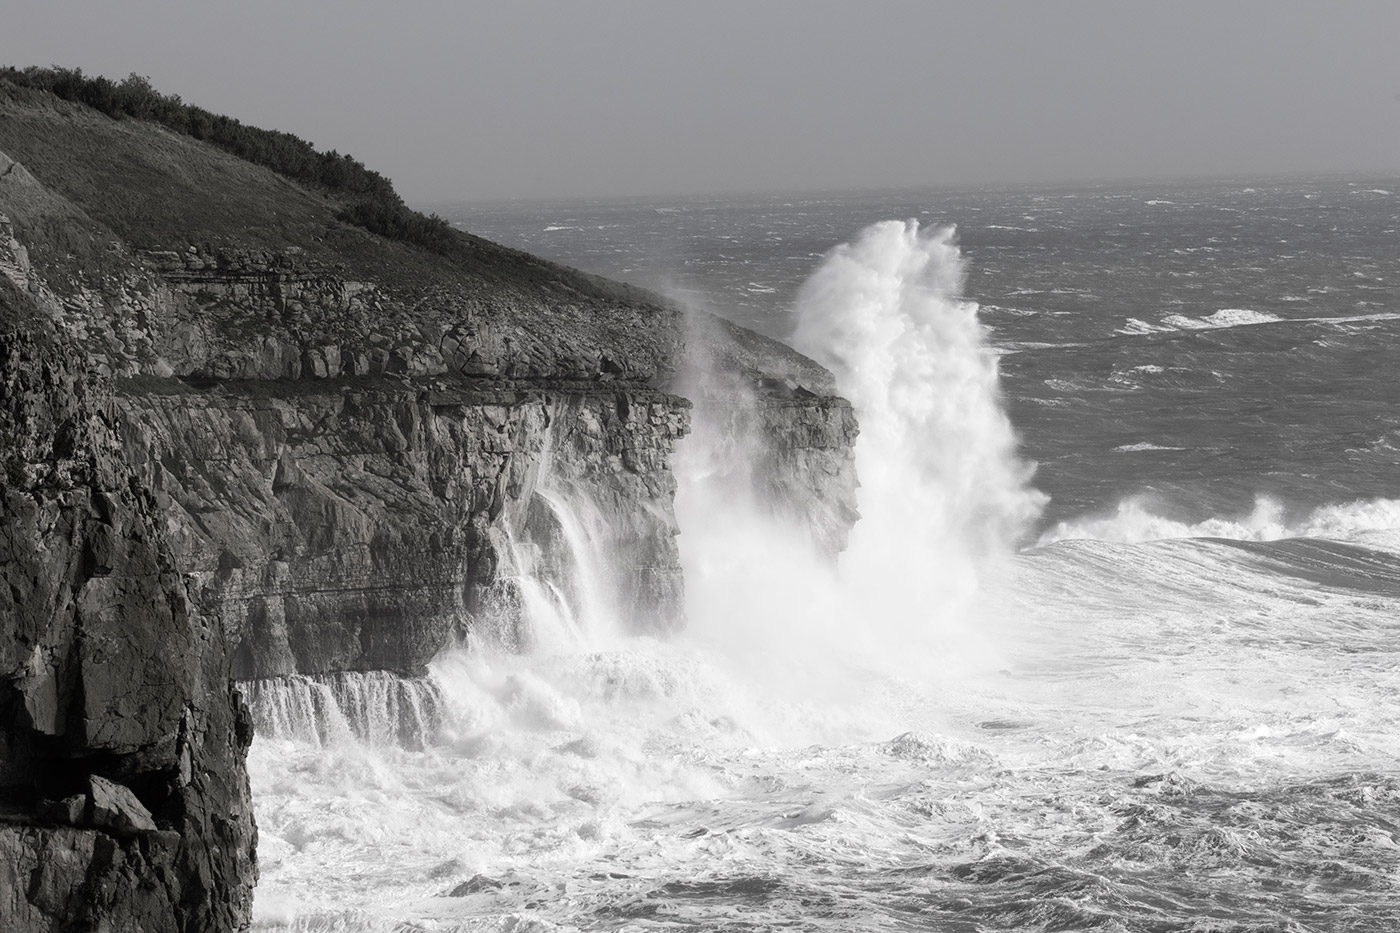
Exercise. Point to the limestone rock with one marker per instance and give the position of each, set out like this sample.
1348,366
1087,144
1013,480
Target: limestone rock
70,811
801,434
353,531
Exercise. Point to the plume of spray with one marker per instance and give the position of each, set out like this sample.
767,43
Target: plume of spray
943,495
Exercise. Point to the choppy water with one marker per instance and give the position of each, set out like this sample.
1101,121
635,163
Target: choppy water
1170,703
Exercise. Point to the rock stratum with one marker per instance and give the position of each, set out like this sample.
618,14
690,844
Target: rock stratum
244,440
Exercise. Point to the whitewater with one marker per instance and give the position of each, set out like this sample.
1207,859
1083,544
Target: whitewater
1113,691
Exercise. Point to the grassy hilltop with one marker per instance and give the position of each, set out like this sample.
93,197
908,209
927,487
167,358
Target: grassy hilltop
370,200
118,162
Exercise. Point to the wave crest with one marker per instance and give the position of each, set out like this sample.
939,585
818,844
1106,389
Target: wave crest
1133,522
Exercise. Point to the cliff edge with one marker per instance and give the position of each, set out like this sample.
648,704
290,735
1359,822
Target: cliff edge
249,435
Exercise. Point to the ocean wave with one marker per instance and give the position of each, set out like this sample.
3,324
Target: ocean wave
1136,326
1225,317
985,309
1133,521
1350,318
1134,448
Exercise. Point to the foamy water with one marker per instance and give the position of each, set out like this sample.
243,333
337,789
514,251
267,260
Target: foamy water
1127,727
1136,760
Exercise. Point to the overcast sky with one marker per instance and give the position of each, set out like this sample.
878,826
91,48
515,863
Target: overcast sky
546,98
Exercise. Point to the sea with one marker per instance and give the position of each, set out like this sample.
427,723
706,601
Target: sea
1115,645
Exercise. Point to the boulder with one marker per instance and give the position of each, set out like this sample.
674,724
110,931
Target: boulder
114,807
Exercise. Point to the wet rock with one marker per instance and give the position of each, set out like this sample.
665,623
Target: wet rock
800,434
354,530
477,884
446,869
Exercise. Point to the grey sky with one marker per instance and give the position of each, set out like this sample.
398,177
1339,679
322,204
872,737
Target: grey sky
467,100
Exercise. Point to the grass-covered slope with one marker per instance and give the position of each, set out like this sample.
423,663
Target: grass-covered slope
112,174
153,188
370,199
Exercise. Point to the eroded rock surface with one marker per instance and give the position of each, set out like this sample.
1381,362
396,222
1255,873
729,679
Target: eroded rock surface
794,435
349,526
123,798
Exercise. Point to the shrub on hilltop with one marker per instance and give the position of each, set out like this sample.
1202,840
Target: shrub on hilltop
369,199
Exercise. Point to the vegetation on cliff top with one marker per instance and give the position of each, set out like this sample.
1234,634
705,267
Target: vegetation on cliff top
102,179
369,199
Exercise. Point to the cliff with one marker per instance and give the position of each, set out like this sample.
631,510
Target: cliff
259,441
123,800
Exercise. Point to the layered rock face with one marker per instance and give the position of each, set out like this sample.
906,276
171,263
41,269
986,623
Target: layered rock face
353,526
335,458
123,799
245,439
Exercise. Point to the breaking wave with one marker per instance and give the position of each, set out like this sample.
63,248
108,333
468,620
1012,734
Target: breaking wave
943,495
1135,521
937,454
1225,317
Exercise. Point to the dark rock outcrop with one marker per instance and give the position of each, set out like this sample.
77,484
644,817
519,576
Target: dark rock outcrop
115,808
123,800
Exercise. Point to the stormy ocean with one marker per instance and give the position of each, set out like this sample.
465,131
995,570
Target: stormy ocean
1115,645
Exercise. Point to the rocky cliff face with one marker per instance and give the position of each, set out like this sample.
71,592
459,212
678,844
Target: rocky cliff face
123,800
251,441
355,526
334,457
